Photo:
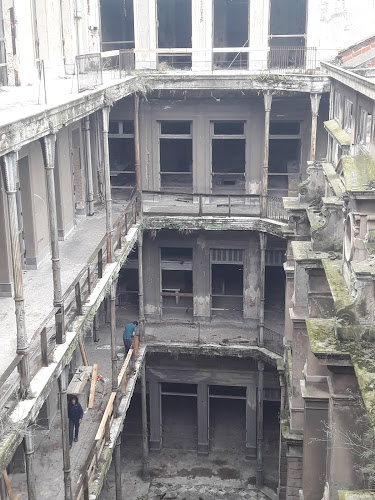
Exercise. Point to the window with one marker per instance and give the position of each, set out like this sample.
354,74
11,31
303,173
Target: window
228,157
121,154
365,128
176,155
348,113
337,106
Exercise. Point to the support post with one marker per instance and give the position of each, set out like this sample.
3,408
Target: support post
137,152
63,383
203,424
107,178
113,337
263,244
315,101
145,455
251,419
90,188
259,471
10,182
28,443
3,489
118,469
155,415
96,329
140,289
267,111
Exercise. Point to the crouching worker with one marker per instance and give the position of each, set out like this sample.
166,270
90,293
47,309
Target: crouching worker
128,335
75,413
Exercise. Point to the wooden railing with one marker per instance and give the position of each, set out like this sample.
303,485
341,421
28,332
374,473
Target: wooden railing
103,432
47,334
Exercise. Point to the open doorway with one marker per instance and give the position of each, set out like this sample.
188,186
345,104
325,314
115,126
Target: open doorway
228,157
174,31
176,156
122,157
231,29
227,284
177,283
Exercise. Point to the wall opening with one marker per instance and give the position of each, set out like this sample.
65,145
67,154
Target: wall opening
274,307
176,156
228,157
117,24
226,290
122,157
231,29
284,158
177,283
174,31
179,416
227,418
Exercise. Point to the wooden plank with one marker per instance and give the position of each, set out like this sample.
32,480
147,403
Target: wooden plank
124,366
7,485
107,412
83,353
136,346
94,377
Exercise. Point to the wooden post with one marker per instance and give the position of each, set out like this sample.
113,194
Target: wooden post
83,353
60,325
94,377
89,280
7,485
100,264
44,346
78,299
63,383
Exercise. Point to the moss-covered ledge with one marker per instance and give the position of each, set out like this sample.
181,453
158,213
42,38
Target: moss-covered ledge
356,495
323,341
359,174
333,179
337,285
335,131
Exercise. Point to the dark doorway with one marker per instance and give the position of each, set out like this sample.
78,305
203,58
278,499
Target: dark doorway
227,291
284,166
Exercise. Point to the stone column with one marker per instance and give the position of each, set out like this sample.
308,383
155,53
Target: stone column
259,471
140,289
263,244
202,35
155,415
315,101
118,468
203,422
201,280
48,144
266,145
10,182
63,383
137,151
113,337
251,422
28,442
145,456
90,187
107,181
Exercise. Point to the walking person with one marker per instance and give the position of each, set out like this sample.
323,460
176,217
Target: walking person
128,335
75,414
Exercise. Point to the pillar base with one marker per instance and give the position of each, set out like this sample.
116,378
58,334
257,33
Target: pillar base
203,449
155,445
251,452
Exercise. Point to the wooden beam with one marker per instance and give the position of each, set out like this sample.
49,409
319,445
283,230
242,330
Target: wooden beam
94,377
83,353
7,485
107,413
124,366
136,346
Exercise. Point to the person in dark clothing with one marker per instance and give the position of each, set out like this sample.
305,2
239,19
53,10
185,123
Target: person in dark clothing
75,414
128,335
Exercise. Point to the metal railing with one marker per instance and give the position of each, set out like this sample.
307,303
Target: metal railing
274,341
244,205
126,61
295,59
89,71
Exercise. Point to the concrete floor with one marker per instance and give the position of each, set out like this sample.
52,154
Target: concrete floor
38,284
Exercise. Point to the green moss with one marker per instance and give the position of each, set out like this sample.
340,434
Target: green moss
337,285
342,137
322,337
333,179
356,495
359,172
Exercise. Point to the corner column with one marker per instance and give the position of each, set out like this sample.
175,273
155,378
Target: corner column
259,471
145,455
28,443
315,101
203,423
90,187
113,337
63,384
137,151
10,182
155,415
263,244
141,289
251,422
107,181
267,111
117,456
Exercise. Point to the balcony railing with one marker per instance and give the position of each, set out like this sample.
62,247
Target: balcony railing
198,205
89,71
274,341
295,59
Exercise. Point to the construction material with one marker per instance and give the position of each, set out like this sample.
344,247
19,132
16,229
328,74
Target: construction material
105,417
83,353
7,485
79,385
94,378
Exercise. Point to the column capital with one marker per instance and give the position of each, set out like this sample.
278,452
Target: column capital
315,101
10,172
267,100
48,143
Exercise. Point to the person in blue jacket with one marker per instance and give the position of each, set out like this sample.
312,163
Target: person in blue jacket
128,335
75,413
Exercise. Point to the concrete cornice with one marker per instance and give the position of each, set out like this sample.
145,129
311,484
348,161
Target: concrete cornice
352,80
